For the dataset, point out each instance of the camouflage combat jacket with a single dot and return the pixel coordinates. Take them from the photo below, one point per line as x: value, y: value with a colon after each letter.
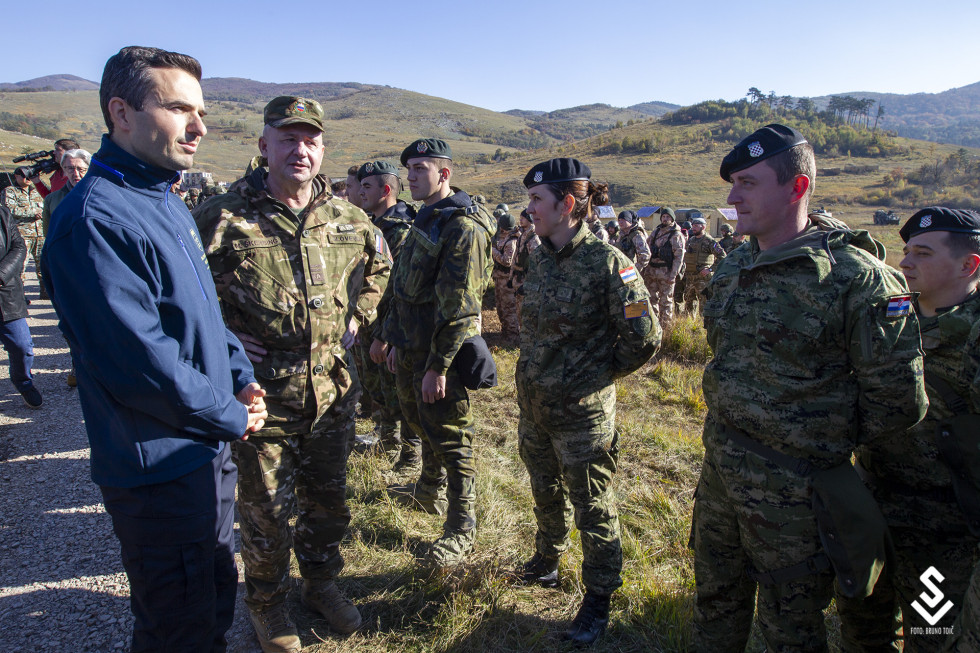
x: 910, y: 464
x: 585, y: 322
x: 595, y: 226
x: 504, y: 252
x: 815, y: 348
x: 294, y: 283
x: 395, y: 225
x: 667, y: 249
x: 702, y: 252
x: 526, y: 243
x: 437, y: 284
x: 634, y: 244
x: 25, y: 204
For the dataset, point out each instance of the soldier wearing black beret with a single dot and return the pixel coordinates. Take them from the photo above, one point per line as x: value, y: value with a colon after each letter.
x: 814, y: 350
x: 926, y: 479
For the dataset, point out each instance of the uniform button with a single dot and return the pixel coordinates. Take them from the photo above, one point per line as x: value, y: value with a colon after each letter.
x: 272, y: 371
x: 316, y: 303
x: 306, y: 233
x: 318, y: 369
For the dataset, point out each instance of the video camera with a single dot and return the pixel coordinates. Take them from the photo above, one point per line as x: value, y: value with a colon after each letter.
x: 42, y: 163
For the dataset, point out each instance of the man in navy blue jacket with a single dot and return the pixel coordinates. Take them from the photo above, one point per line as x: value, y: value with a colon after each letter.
x: 163, y: 384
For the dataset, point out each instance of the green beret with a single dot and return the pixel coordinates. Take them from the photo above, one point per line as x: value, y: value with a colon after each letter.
x: 372, y: 168
x: 939, y: 218
x: 556, y: 171
x: 759, y: 146
x: 427, y: 147
x: 290, y: 110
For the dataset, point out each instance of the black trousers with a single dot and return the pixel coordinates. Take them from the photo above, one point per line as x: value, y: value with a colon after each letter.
x: 178, y: 550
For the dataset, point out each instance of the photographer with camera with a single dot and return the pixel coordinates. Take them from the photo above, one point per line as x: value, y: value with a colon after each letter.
x: 49, y: 161
x: 25, y: 205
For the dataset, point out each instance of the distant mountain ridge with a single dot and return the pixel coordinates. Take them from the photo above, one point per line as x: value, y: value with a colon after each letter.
x: 52, y: 83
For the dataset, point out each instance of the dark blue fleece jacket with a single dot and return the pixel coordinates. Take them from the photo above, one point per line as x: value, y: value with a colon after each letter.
x: 157, y: 369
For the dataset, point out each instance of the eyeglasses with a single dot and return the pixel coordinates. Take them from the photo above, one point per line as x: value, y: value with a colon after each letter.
x: 82, y: 170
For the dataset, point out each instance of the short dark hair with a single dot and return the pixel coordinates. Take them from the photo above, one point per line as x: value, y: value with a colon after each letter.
x: 797, y: 160
x: 962, y: 244
x: 67, y: 144
x: 127, y: 75
x: 338, y: 186
x: 392, y: 181
x: 352, y: 171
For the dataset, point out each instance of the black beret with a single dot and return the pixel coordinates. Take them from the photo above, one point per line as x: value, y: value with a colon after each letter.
x: 372, y: 168
x: 666, y: 210
x: 939, y: 218
x: 556, y: 171
x: 758, y: 146
x: 431, y: 147
x: 627, y: 215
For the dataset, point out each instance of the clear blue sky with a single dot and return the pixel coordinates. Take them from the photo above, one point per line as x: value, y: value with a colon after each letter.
x: 532, y: 54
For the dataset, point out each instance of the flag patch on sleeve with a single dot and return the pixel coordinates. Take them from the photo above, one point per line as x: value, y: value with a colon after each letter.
x: 899, y: 306
x: 628, y: 275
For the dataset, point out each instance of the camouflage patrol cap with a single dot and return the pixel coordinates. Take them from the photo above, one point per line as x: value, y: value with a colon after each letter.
x: 290, y: 110
x: 940, y: 218
x: 699, y: 220
x: 194, y: 191
x: 372, y: 168
x: 556, y: 171
x: 759, y: 146
x: 434, y: 148
x: 726, y: 228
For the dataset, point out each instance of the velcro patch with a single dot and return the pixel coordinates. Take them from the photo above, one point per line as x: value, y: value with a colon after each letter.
x: 637, y: 309
x: 899, y: 306
x: 628, y: 275
x: 254, y: 243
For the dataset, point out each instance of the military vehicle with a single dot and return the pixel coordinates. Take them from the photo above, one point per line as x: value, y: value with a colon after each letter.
x: 885, y: 217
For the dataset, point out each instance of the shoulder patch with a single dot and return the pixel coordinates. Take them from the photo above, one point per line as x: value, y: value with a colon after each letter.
x: 899, y: 306
x: 628, y: 274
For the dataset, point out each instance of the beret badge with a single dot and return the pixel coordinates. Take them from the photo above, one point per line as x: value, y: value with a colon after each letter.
x: 755, y: 149
x: 538, y: 176
x: 926, y: 221
x: 423, y: 147
x: 368, y: 167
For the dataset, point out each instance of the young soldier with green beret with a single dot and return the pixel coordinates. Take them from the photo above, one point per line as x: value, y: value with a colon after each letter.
x: 815, y: 352
x: 586, y: 322
x: 433, y: 306
x: 933, y: 515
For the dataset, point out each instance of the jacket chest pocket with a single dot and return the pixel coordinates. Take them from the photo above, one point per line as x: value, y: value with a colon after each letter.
x: 792, y: 340
x: 423, y: 266
x: 264, y: 279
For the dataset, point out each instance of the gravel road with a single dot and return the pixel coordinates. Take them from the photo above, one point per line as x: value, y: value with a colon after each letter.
x: 62, y: 585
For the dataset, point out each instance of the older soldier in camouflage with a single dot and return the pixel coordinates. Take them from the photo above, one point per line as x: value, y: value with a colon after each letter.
x: 296, y: 272
x: 504, y: 254
x: 666, y: 258
x: 26, y: 206
x: 588, y: 323
x: 436, y: 292
x: 378, y: 187
x: 930, y: 519
x: 815, y: 352
x: 526, y: 244
x: 703, y: 253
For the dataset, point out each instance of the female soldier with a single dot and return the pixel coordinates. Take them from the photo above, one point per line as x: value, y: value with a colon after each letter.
x: 586, y: 321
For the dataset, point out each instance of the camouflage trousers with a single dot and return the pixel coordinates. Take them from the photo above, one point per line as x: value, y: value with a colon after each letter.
x: 34, y: 239
x: 873, y: 624
x: 660, y: 284
x: 560, y: 474
x: 446, y: 427
x: 694, y: 291
x: 305, y: 474
x: 380, y: 384
x: 966, y: 631
x: 752, y: 517
x: 506, y: 302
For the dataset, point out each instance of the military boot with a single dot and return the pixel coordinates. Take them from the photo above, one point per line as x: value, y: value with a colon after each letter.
x: 591, y: 621
x: 275, y: 632
x: 409, y: 463
x: 430, y: 499
x: 325, y: 598
x: 539, y: 570
x: 452, y: 548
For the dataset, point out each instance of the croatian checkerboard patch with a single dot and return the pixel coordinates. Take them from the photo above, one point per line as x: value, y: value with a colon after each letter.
x: 899, y: 306
x: 755, y: 149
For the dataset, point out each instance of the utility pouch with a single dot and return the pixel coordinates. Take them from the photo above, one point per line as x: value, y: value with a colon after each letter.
x: 852, y: 529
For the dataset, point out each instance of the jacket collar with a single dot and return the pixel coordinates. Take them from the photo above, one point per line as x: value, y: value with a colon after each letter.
x: 114, y: 163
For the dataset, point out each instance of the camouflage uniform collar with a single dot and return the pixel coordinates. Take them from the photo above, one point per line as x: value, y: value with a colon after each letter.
x: 566, y: 251
x: 253, y: 187
x: 973, y: 297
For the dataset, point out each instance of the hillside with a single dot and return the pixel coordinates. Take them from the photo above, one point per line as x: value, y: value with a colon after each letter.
x: 52, y: 83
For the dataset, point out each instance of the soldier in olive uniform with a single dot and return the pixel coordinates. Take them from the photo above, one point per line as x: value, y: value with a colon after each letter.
x: 815, y: 352
x: 702, y: 255
x: 193, y: 195
x: 435, y: 296
x: 612, y: 228
x: 296, y: 272
x: 504, y: 254
x: 912, y: 475
x: 26, y: 207
x: 526, y: 244
x: 588, y: 323
x: 633, y: 240
x: 378, y: 186
x: 666, y: 257
x: 727, y: 241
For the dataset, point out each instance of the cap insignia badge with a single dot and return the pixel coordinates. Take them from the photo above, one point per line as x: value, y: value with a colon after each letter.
x: 538, y: 176
x: 423, y: 147
x: 369, y: 167
x: 755, y: 149
x: 926, y: 221
x: 300, y: 107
